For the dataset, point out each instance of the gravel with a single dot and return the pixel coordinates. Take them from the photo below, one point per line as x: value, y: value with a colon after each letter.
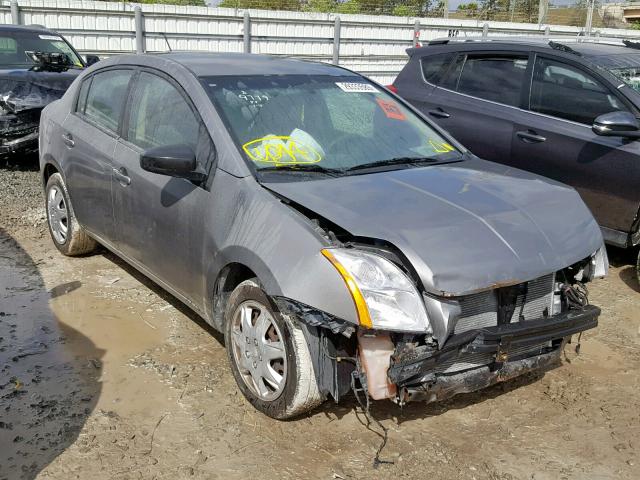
x: 22, y: 197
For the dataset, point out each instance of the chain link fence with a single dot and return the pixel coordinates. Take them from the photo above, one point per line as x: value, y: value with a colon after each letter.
x: 556, y: 12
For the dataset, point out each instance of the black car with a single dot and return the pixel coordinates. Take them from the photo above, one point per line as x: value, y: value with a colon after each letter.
x: 37, y: 66
x: 565, y: 109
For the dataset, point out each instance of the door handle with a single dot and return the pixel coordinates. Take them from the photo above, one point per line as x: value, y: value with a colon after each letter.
x: 530, y: 137
x: 121, y: 175
x: 439, y: 113
x: 67, y: 138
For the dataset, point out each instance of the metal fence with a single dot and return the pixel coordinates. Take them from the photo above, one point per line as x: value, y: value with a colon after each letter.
x: 372, y: 45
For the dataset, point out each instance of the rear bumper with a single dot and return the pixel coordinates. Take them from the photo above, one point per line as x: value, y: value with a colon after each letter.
x: 414, y: 373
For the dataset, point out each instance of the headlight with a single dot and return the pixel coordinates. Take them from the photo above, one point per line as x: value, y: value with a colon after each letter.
x: 384, y: 296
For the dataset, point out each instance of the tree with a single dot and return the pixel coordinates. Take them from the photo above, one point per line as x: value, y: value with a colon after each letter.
x: 470, y: 7
x: 196, y: 3
x: 263, y: 4
x: 324, y: 6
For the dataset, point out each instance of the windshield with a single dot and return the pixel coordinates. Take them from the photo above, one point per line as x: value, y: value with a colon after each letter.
x: 15, y: 45
x: 625, y: 67
x: 322, y: 123
x: 629, y: 75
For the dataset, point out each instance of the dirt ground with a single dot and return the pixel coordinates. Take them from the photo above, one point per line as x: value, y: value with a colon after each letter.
x: 103, y: 375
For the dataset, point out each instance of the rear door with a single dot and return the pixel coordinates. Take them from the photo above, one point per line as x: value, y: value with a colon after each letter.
x: 555, y: 140
x: 160, y: 219
x: 479, y: 99
x: 90, y: 136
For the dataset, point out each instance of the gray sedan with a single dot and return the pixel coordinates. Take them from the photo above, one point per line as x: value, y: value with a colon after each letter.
x: 338, y: 238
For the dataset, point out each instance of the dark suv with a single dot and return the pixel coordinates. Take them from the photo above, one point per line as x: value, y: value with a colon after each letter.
x: 37, y: 66
x: 565, y: 109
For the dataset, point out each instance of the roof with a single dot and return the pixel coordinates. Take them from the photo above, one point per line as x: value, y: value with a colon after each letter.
x: 587, y: 47
x: 599, y: 51
x: 208, y: 64
x: 25, y: 28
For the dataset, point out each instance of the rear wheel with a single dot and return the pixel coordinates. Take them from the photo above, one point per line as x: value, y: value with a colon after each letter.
x: 67, y: 235
x: 269, y: 355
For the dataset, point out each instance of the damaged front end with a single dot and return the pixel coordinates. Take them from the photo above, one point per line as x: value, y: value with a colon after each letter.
x: 23, y: 95
x: 18, y: 131
x: 470, y: 342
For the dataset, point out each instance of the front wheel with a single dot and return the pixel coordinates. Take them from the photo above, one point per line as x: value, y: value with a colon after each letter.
x: 67, y: 234
x: 269, y: 356
x: 638, y: 267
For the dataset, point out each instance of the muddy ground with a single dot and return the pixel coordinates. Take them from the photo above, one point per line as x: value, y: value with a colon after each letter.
x: 103, y: 375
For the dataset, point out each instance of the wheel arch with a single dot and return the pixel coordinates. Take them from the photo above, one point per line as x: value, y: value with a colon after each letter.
x: 49, y: 166
x: 240, y: 265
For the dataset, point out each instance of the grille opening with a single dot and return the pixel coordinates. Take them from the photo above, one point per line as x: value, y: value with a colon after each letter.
x: 480, y: 310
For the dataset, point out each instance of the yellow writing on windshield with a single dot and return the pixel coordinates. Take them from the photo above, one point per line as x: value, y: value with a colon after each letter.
x: 281, y: 150
x: 441, y: 147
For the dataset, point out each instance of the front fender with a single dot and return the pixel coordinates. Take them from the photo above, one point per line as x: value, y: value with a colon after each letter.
x: 280, y: 245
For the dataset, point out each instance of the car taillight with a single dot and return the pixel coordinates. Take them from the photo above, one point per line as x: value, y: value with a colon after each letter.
x: 393, y: 88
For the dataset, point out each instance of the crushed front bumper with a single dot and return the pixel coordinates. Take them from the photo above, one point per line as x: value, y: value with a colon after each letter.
x: 19, y: 132
x: 25, y: 144
x: 414, y: 373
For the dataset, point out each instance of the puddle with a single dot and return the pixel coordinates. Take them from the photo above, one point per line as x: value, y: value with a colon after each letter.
x: 49, y: 371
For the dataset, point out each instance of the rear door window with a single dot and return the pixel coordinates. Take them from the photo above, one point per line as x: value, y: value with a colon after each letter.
x: 566, y: 92
x: 106, y: 96
x: 498, y: 78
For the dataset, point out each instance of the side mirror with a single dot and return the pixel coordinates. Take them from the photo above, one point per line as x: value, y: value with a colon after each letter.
x: 91, y: 59
x: 616, y: 124
x: 172, y: 160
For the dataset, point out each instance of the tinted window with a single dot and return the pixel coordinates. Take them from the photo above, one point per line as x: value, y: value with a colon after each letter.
x: 106, y: 97
x: 435, y: 66
x: 450, y: 78
x: 160, y: 115
x: 82, y: 96
x: 495, y: 78
x: 566, y: 92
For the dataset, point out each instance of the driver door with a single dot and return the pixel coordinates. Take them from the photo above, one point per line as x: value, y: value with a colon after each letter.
x: 159, y: 219
x: 555, y: 140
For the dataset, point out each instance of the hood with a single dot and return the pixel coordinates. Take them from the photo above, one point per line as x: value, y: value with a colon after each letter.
x: 464, y: 226
x: 25, y: 89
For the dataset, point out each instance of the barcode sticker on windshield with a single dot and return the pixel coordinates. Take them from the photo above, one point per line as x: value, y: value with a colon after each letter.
x: 352, y: 87
x: 49, y: 37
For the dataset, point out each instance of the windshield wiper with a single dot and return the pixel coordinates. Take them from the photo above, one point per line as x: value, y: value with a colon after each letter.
x: 303, y: 168
x: 394, y: 161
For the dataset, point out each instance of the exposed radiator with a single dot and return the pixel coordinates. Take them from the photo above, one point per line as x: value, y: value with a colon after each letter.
x: 481, y: 309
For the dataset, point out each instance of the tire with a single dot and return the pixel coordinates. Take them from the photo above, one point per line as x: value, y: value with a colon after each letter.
x: 67, y: 234
x: 297, y: 392
x: 638, y: 267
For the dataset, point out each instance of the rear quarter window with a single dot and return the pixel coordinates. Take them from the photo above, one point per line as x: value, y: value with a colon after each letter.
x: 435, y: 66
x: 82, y: 95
